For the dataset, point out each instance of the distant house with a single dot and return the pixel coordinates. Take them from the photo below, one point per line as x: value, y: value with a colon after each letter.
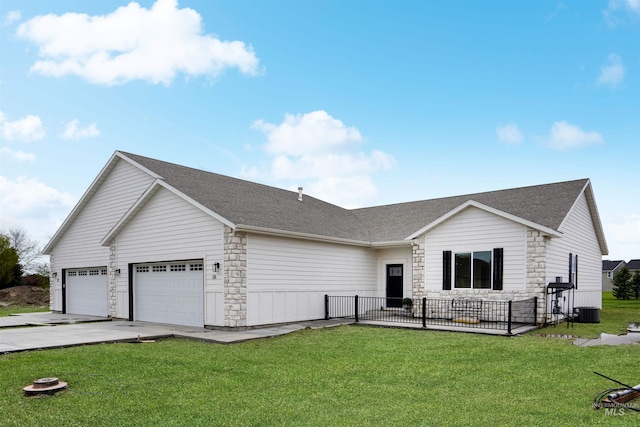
x: 156, y: 241
x: 633, y: 265
x: 609, y: 271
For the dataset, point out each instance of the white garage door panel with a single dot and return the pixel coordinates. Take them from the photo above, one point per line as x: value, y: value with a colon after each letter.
x: 87, y: 291
x: 169, y: 293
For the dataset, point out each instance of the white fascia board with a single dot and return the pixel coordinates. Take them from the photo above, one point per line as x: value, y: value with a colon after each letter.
x: 138, y: 165
x: 392, y: 244
x: 145, y: 197
x: 473, y: 203
x: 595, y: 216
x: 108, y: 167
x: 298, y: 235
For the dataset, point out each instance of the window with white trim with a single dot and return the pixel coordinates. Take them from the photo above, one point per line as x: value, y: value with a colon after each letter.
x: 142, y: 269
x: 159, y: 268
x: 178, y: 267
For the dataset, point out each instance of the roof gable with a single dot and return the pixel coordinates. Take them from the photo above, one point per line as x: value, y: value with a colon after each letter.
x: 545, y: 206
x: 608, y: 265
x: 246, y: 203
x: 633, y: 264
x: 473, y: 203
x: 256, y: 207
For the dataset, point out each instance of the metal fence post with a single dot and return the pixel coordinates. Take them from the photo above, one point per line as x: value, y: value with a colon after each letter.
x: 326, y: 307
x: 424, y: 312
x: 535, y: 310
x: 509, y: 321
x: 356, y: 300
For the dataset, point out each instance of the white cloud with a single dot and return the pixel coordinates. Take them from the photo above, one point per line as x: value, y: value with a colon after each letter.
x: 612, y: 72
x: 314, y: 132
x: 11, y: 17
x: 133, y: 43
x: 622, y: 12
x: 30, y: 204
x: 509, y: 134
x: 623, y: 237
x: 564, y: 136
x: 322, y: 154
x: 18, y: 155
x: 330, y: 164
x: 349, y: 192
x: 29, y: 128
x: 72, y: 131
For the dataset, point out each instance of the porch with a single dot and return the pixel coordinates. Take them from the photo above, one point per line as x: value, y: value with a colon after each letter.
x: 455, y: 314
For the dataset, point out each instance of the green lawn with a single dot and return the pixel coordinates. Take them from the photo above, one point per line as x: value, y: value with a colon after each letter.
x: 614, y: 319
x: 13, y: 309
x: 349, y: 375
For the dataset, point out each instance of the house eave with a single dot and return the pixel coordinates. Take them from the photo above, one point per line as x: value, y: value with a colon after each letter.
x: 472, y: 203
x: 145, y: 197
x: 392, y: 244
x: 299, y: 235
x: 93, y: 188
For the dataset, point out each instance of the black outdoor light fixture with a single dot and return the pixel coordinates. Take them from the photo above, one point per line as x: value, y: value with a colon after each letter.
x: 117, y: 272
x: 54, y: 274
x: 216, y: 267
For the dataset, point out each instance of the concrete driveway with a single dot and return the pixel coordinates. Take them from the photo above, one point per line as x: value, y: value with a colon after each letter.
x: 35, y: 331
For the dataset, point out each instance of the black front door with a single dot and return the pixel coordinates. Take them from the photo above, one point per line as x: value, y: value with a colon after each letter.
x: 394, y: 285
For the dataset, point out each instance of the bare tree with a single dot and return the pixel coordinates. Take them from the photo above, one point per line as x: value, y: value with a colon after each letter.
x: 28, y: 250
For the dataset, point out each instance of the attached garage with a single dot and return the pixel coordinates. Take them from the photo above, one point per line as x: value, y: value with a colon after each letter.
x: 87, y: 291
x: 169, y: 292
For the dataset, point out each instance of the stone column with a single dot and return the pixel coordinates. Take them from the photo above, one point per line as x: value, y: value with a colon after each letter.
x: 537, y: 269
x: 418, y: 284
x: 235, y: 278
x: 112, y: 280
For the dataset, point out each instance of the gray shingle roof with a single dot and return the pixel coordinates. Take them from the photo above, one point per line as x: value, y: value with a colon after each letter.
x: 248, y: 203
x: 546, y: 205
x: 633, y: 264
x: 608, y: 265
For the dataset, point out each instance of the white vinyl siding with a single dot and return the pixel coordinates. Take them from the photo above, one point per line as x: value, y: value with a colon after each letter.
x: 396, y: 256
x: 80, y: 244
x: 474, y: 230
x: 288, y: 278
x: 579, y: 238
x: 168, y: 228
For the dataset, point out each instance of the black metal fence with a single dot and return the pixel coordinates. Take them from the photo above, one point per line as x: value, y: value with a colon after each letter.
x: 460, y: 312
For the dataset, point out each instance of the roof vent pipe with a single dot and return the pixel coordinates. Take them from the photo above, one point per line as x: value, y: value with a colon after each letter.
x: 300, y: 194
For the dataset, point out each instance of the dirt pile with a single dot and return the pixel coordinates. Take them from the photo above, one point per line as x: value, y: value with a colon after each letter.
x: 24, y: 295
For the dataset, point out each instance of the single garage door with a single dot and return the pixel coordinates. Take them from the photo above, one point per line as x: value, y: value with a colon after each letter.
x: 87, y: 291
x: 171, y: 292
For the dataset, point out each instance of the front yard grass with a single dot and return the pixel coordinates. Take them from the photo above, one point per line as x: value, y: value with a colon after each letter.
x: 348, y: 375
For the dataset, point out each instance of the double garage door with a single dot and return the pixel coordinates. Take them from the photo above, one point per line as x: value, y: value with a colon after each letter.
x: 171, y: 292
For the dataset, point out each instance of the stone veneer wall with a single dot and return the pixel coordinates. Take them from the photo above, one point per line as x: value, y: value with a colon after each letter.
x: 235, y: 278
x: 537, y: 269
x: 418, y: 288
x: 53, y: 283
x: 113, y: 281
x: 534, y: 286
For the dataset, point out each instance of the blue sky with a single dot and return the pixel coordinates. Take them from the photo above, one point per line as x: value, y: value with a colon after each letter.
x: 360, y: 102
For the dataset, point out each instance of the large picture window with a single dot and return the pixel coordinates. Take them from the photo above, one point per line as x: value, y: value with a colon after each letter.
x: 473, y: 270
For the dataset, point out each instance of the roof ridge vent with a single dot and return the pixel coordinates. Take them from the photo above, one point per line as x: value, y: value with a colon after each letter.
x: 299, y: 194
